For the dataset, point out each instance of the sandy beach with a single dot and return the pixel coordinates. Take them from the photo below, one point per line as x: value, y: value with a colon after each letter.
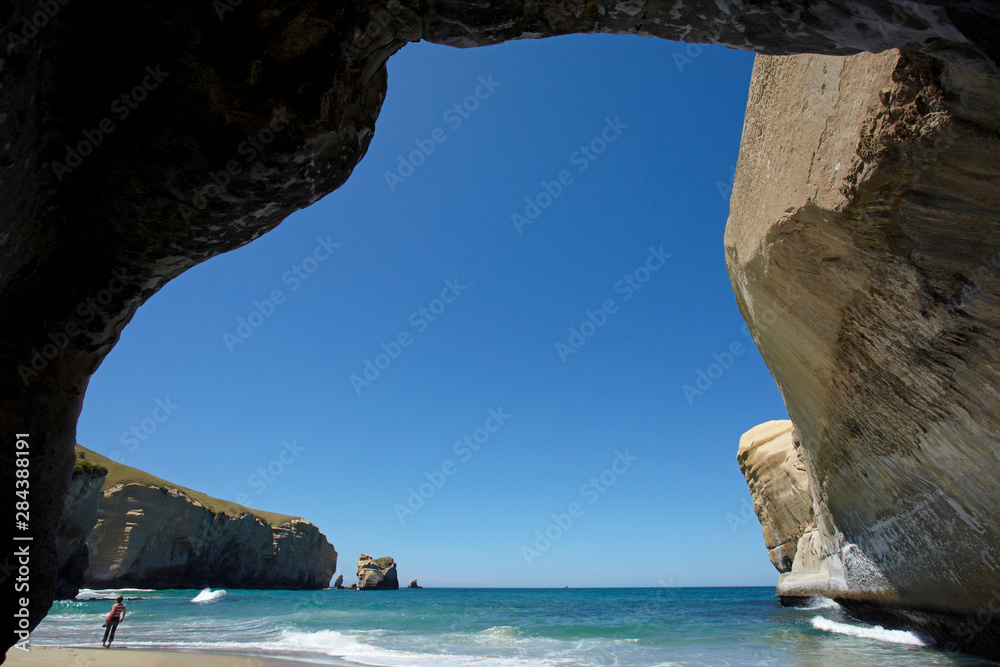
x: 125, y: 657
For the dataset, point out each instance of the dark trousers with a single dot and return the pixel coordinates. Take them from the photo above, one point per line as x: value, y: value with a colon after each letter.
x: 112, y: 626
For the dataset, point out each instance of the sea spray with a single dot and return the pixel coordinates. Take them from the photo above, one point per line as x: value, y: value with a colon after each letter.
x: 820, y: 602
x: 208, y: 595
x: 876, y: 632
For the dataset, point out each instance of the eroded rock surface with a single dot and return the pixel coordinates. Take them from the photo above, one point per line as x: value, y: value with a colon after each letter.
x: 779, y: 484
x: 154, y: 534
x: 78, y: 520
x: 865, y: 220
x: 377, y: 574
x: 148, y: 537
x: 101, y: 208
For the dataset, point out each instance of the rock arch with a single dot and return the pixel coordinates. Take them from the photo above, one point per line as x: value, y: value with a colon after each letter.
x: 103, y: 206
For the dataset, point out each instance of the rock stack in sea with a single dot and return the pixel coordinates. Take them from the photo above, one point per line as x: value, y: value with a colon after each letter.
x: 413, y: 584
x: 377, y: 574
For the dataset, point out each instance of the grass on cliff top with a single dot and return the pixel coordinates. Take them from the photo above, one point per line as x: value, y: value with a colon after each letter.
x: 384, y: 561
x: 85, y: 467
x: 120, y: 473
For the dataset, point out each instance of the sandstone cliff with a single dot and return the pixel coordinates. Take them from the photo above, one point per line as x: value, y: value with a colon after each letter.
x: 779, y: 485
x: 150, y: 533
x: 377, y: 574
x: 78, y: 519
x: 863, y: 247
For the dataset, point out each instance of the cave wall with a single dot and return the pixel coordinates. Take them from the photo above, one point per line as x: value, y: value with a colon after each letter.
x: 107, y: 197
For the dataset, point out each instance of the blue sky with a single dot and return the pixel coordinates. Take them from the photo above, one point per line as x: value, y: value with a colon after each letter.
x: 622, y: 144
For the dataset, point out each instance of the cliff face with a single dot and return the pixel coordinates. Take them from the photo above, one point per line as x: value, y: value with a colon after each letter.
x: 78, y: 519
x: 149, y: 537
x: 866, y: 220
x: 377, y: 574
x: 150, y: 533
x: 779, y: 484
x: 144, y: 206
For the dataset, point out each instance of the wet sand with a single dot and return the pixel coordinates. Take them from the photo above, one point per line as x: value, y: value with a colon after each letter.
x: 126, y: 657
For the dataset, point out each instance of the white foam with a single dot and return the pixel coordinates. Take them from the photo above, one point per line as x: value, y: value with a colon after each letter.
x: 330, y: 642
x: 334, y: 643
x: 876, y: 632
x: 208, y: 595
x: 501, y: 633
x: 97, y: 593
x: 820, y: 602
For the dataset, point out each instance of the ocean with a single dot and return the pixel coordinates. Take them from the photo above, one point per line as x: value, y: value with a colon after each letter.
x: 641, y: 627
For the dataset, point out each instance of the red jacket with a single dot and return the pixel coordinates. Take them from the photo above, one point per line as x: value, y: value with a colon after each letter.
x: 117, y: 611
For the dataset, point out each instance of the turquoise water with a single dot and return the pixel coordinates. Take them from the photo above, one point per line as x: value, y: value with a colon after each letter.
x: 683, y: 627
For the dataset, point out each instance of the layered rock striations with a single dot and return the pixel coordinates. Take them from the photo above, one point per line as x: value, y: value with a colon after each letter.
x: 100, y: 208
x: 377, y: 574
x: 779, y: 484
x: 150, y: 533
x: 863, y: 246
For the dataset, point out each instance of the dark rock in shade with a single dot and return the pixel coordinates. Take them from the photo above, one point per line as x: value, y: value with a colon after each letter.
x: 137, y: 210
x: 377, y: 574
x: 413, y: 584
x: 78, y: 520
x: 339, y: 582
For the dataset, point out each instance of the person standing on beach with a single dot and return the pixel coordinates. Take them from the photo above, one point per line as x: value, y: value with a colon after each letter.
x: 112, y: 620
